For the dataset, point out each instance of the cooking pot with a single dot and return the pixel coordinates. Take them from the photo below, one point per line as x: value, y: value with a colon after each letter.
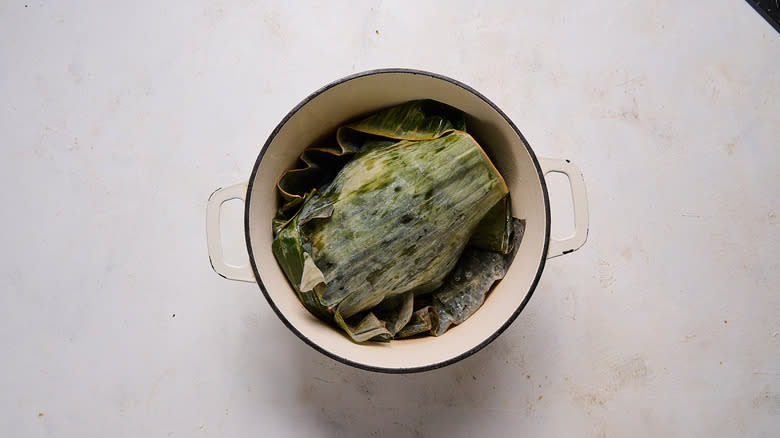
x: 358, y: 95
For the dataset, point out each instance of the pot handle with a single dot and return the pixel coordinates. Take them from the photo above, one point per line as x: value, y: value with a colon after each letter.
x: 214, y: 237
x: 579, y: 201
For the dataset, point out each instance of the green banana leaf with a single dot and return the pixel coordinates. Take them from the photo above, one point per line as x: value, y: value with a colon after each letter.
x: 414, y: 120
x: 289, y: 253
x: 366, y: 328
x: 368, y: 225
x: 408, y: 208
x: 424, y: 320
x: 468, y: 284
x: 494, y: 233
x: 396, y: 311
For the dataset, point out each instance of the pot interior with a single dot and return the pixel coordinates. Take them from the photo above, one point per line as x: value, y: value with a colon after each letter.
x: 320, y: 114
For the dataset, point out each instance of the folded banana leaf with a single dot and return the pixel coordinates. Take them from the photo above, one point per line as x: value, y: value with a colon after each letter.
x: 468, y: 284
x: 414, y: 120
x: 424, y: 320
x: 382, y: 218
x: 396, y: 312
x: 495, y: 231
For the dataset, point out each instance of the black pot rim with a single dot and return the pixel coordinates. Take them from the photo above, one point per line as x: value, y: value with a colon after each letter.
x: 345, y: 360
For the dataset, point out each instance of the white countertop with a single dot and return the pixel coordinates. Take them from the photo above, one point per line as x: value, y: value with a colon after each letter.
x: 118, y: 121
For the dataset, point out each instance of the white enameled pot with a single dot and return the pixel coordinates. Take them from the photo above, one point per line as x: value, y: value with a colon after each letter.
x: 348, y: 99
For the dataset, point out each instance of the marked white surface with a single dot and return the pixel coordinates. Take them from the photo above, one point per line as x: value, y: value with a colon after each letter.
x: 118, y: 121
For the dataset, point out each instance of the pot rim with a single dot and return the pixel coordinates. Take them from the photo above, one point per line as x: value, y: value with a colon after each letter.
x: 345, y: 360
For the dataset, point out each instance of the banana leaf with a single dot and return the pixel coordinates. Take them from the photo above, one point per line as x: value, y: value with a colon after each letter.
x: 295, y: 263
x: 468, y: 284
x: 366, y: 328
x: 414, y: 120
x: 396, y: 312
x: 494, y: 233
x: 367, y: 226
x: 424, y: 320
